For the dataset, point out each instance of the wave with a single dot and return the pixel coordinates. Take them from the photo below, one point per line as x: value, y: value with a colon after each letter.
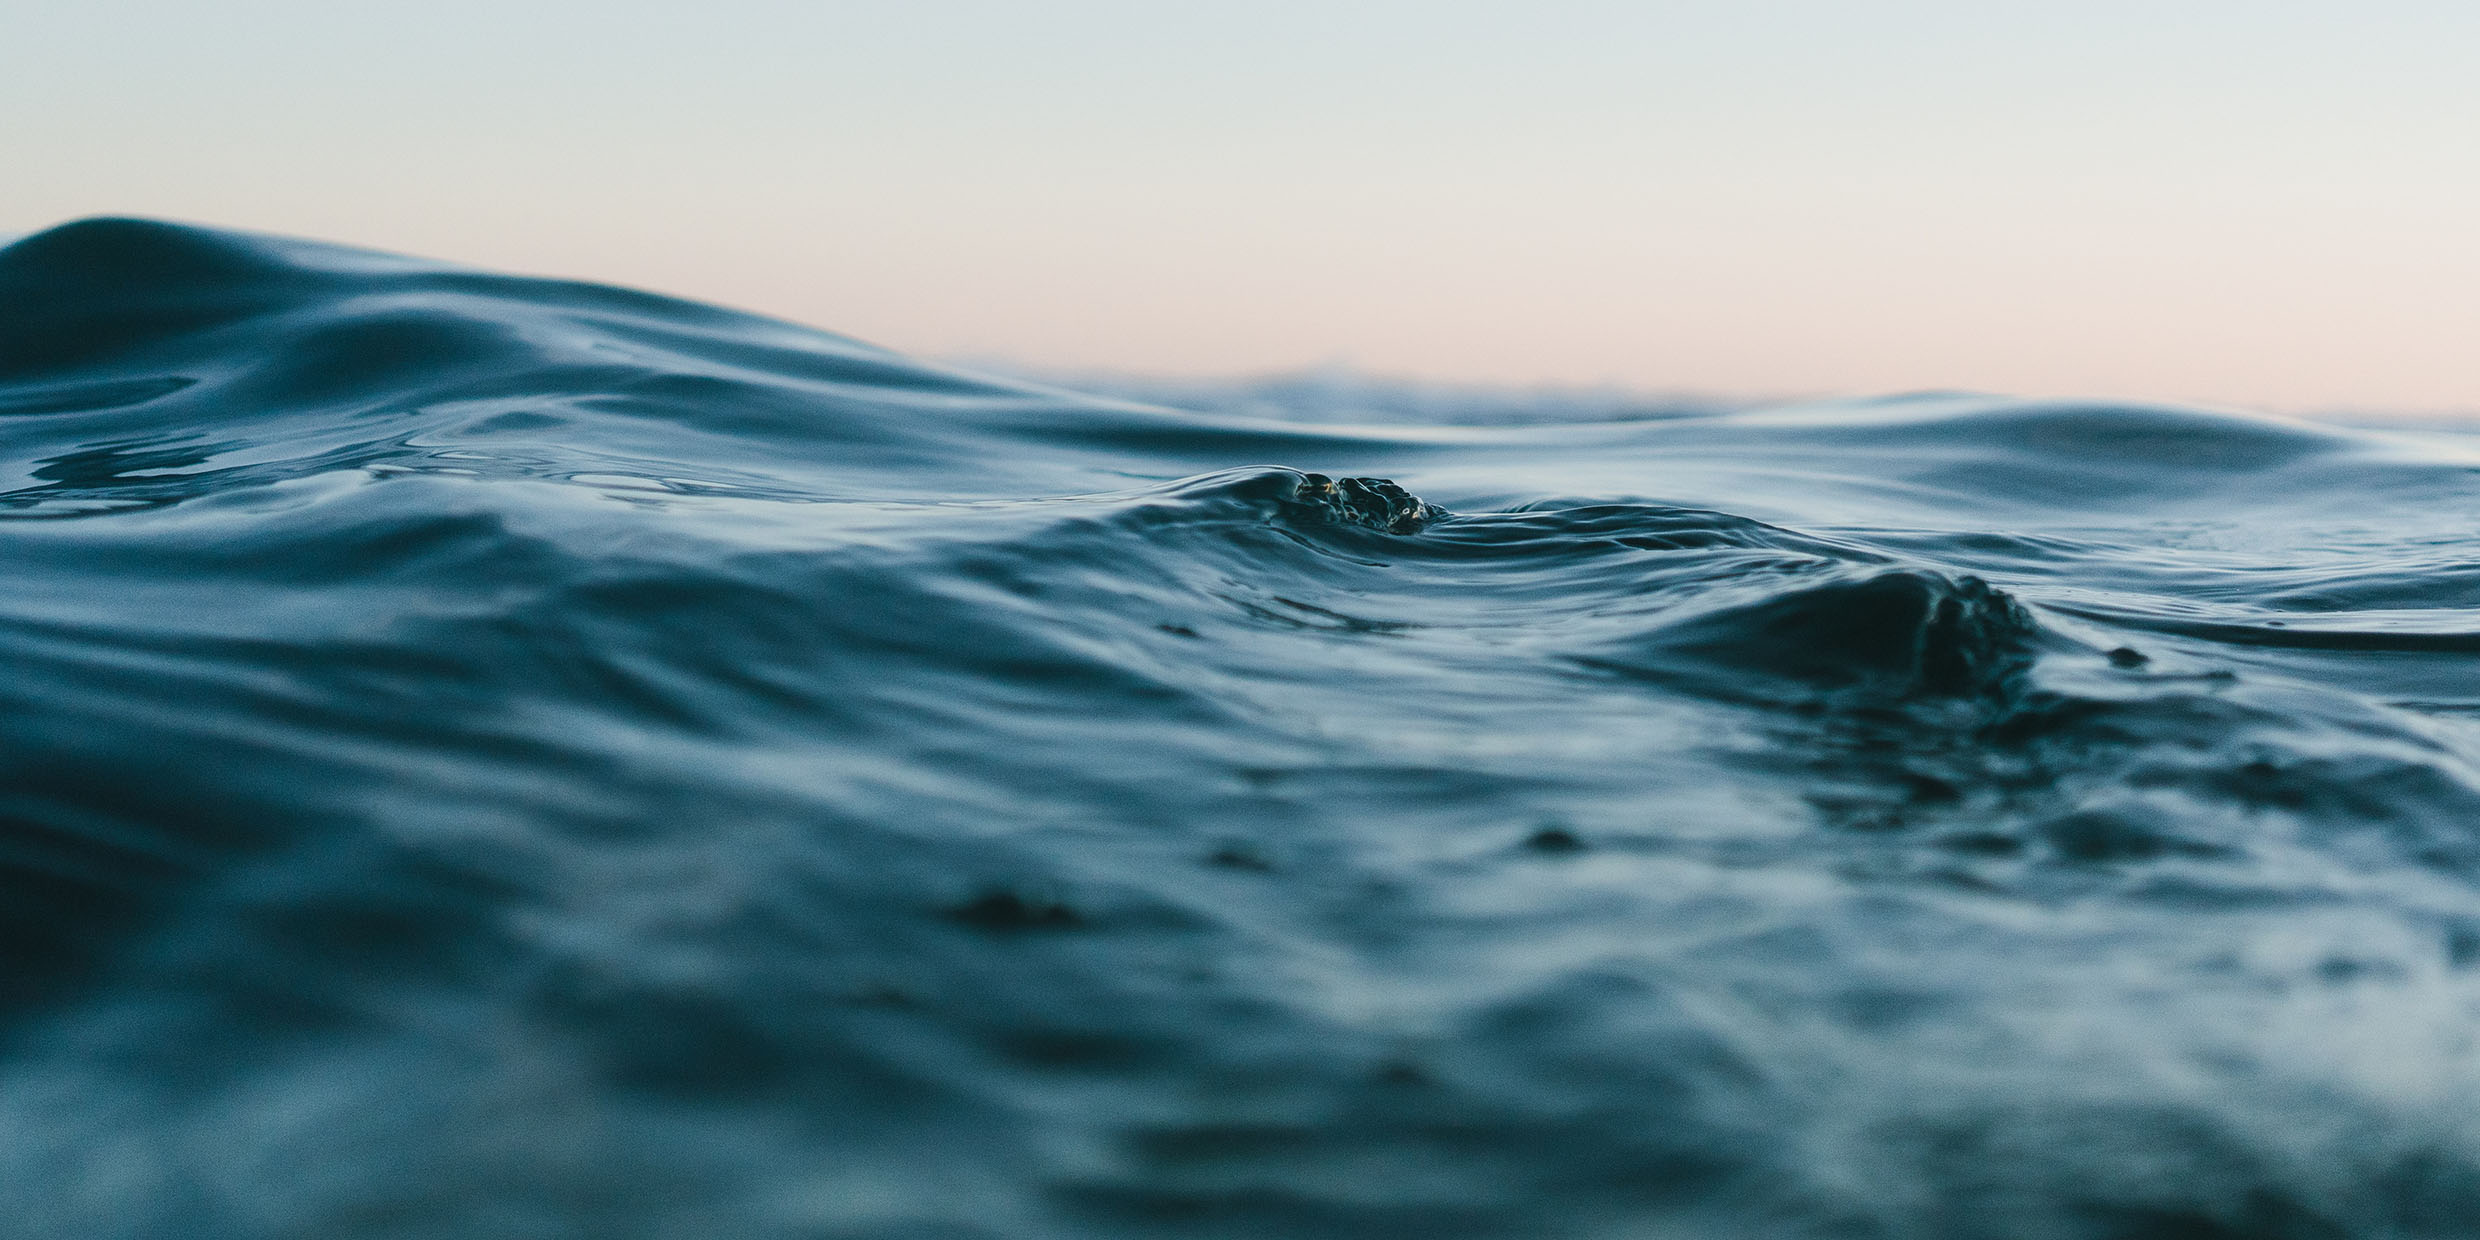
x: 511, y: 756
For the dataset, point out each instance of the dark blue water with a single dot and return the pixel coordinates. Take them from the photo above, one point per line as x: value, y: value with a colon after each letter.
x: 497, y: 757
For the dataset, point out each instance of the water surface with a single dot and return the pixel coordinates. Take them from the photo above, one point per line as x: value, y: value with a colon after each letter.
x: 499, y: 757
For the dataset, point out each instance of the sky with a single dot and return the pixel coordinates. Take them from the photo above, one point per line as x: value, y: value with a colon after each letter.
x: 2266, y: 204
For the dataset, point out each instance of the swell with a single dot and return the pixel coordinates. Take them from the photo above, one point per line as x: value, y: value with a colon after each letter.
x: 566, y: 762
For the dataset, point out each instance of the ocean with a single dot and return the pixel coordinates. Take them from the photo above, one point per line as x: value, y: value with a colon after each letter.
x: 490, y: 756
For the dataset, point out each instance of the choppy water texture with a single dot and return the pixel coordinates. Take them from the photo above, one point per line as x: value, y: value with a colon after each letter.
x: 499, y: 757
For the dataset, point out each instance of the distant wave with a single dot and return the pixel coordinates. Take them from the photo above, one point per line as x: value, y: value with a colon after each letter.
x: 510, y: 757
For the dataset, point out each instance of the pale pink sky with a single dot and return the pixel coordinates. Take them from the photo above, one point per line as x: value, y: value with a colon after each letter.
x: 2260, y: 204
